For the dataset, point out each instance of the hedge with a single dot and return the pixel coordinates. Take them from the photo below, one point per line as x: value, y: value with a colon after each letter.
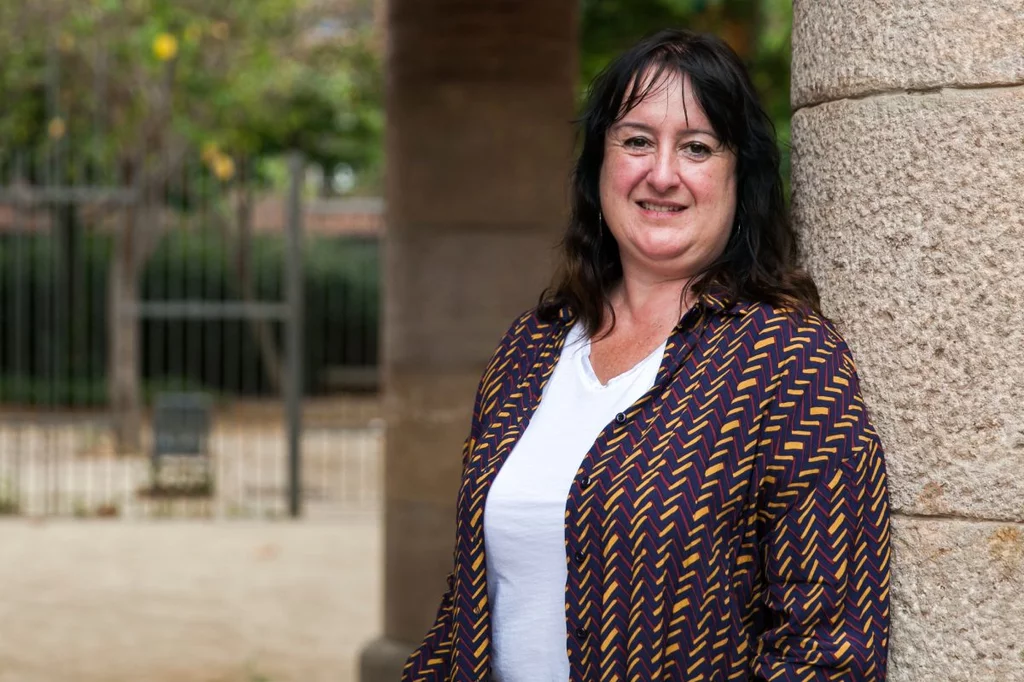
x: 53, y: 339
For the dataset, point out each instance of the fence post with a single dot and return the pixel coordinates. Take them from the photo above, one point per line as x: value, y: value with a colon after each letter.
x: 293, y: 332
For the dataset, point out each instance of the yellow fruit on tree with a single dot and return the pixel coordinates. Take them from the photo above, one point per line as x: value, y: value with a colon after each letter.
x: 223, y: 167
x: 165, y: 47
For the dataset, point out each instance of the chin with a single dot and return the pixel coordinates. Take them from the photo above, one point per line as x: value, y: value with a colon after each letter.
x: 662, y: 249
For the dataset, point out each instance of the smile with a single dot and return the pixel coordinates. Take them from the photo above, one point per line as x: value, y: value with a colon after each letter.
x: 660, y: 208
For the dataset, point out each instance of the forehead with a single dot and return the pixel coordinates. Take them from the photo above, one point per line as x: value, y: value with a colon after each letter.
x: 667, y: 98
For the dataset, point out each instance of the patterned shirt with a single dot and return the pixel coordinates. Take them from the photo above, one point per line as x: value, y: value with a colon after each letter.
x: 732, y: 524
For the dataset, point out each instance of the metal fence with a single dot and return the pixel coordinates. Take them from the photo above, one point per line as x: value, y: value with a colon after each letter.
x: 128, y: 304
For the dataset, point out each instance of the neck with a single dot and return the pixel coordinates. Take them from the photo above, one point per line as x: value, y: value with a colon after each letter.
x: 647, y: 299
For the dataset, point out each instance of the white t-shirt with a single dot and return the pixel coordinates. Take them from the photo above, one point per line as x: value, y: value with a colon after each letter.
x: 524, y: 516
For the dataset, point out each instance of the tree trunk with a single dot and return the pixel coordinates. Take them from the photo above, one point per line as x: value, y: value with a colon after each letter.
x: 134, y: 243
x: 261, y: 329
x: 123, y: 340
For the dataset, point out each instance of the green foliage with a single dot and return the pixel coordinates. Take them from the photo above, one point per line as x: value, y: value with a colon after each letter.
x: 136, y: 79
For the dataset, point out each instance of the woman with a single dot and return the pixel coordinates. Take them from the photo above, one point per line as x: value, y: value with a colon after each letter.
x: 670, y: 474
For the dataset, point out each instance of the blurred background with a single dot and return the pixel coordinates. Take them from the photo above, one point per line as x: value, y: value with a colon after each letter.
x: 192, y: 399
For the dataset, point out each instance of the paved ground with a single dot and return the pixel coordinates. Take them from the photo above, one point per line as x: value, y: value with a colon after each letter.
x: 187, y: 601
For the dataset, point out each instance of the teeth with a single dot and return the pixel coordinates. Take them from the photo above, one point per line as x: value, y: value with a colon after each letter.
x: 656, y: 207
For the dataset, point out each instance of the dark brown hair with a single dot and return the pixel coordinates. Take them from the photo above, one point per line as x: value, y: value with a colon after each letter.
x: 759, y: 262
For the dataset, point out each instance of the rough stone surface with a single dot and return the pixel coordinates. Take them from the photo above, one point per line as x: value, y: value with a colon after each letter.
x: 911, y: 210
x: 419, y: 543
x: 427, y: 410
x: 856, y: 47
x: 479, y: 100
x: 383, y: 660
x: 453, y: 293
x: 957, y: 602
x: 479, y: 153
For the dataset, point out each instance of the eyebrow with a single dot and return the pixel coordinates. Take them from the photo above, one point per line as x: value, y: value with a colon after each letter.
x: 650, y: 129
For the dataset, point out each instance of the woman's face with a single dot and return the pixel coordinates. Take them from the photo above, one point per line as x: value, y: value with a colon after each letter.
x: 668, y: 185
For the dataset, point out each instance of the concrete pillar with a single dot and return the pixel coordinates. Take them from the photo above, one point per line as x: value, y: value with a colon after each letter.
x: 479, y: 102
x: 908, y: 177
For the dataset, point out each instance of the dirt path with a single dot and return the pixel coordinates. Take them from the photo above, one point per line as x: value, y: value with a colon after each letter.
x: 117, y: 601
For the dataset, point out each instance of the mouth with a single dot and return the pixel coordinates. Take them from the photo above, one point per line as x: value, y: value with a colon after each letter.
x: 659, y: 207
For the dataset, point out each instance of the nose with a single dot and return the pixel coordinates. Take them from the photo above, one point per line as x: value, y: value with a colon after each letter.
x: 663, y: 174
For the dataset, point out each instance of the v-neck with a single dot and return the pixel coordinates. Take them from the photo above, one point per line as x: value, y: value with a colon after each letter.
x: 589, y: 376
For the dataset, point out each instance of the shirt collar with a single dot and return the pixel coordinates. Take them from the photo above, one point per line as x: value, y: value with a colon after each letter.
x: 566, y: 315
x: 716, y: 300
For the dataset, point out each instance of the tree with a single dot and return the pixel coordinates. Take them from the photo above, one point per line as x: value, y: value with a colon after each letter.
x: 132, y: 89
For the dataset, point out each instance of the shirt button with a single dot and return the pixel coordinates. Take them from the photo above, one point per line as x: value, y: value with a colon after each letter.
x: 579, y: 556
x: 581, y: 633
x: 620, y: 418
x: 585, y: 482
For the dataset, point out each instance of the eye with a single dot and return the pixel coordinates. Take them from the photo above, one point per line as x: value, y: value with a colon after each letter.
x: 637, y: 143
x: 697, y: 150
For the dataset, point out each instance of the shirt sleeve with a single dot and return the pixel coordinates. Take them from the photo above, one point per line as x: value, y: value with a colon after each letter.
x: 431, y: 661
x: 823, y: 522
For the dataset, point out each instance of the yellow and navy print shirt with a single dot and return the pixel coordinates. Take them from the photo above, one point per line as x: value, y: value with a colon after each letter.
x: 733, y: 524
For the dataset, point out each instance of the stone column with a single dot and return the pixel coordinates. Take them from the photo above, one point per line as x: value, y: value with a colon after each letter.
x: 479, y: 146
x: 908, y: 177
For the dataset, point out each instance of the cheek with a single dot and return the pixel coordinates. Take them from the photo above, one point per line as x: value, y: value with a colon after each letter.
x: 717, y: 193
x: 710, y: 184
x: 619, y: 175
